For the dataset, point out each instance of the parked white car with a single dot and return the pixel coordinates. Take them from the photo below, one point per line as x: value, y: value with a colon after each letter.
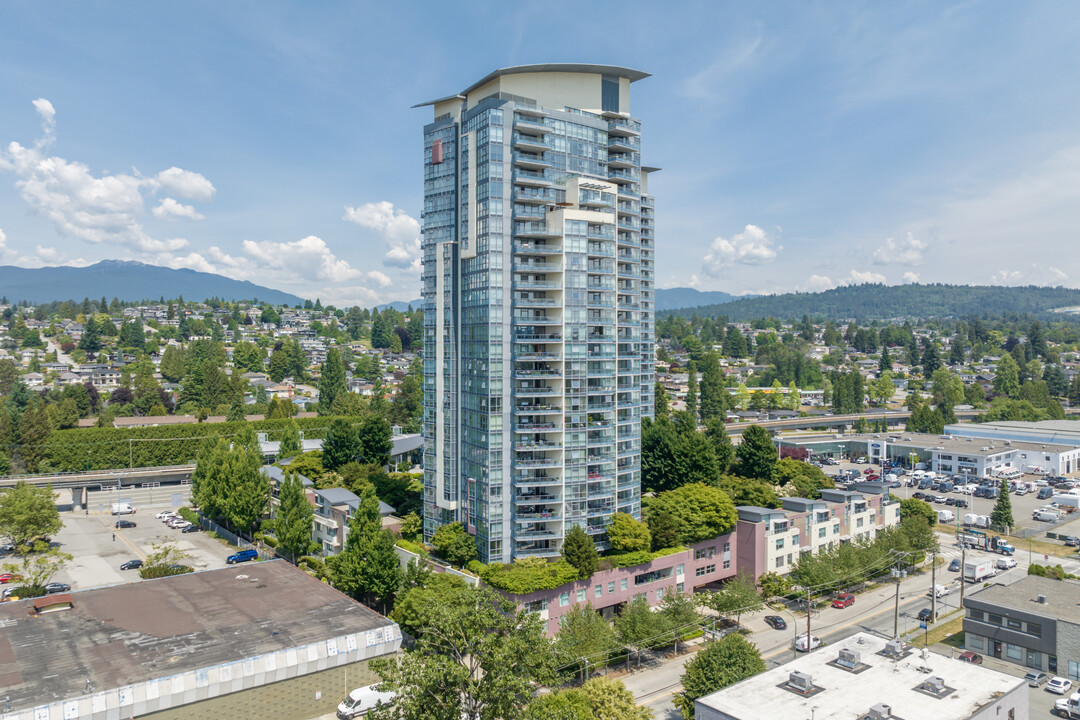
x: 1059, y: 685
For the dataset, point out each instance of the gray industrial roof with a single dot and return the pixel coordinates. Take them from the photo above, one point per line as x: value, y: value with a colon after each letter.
x: 124, y: 634
x: 1061, y: 597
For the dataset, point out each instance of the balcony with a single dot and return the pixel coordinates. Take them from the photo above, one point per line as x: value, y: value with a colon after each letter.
x: 623, y: 143
x: 545, y: 533
x: 538, y: 374
x: 538, y: 516
x: 530, y: 126
x: 537, y: 284
x: 538, y: 409
x: 536, y: 552
x: 624, y: 127
x: 536, y: 480
x: 530, y: 143
x: 623, y: 176
x: 535, y: 427
x: 527, y: 336
x: 525, y: 463
x: 535, y: 230
x: 535, y: 391
x: 531, y: 161
x: 531, y: 179
x: 623, y: 160
x: 524, y: 446
x: 526, y: 355
x: 534, y: 196
x: 535, y: 302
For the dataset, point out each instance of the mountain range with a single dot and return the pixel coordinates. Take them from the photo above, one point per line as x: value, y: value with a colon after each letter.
x: 129, y: 281
x: 883, y: 302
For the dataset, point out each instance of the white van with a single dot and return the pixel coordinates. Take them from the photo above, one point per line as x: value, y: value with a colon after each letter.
x: 123, y: 509
x: 1009, y: 473
x: 361, y: 700
x: 917, y: 475
x: 940, y: 590
x: 945, y: 516
x: 1045, y: 516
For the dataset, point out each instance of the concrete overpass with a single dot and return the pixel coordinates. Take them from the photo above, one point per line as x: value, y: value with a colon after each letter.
x: 891, y: 418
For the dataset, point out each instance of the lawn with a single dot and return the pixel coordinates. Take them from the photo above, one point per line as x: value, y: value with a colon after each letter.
x: 940, y: 632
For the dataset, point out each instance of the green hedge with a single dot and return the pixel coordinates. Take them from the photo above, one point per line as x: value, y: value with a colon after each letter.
x: 519, y: 578
x: 639, y: 557
x: 190, y: 515
x: 157, y: 571
x: 412, y: 547
x: 109, y: 448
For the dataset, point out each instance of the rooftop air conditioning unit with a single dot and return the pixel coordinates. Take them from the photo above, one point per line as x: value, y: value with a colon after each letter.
x: 934, y: 684
x: 848, y: 658
x: 261, y: 437
x: 1041, y: 599
x: 1008, y: 442
x: 894, y: 647
x: 800, y: 681
x: 881, y: 711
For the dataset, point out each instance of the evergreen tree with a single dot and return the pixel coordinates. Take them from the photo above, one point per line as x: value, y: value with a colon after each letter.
x: 341, y: 445
x: 331, y: 381
x: 885, y: 363
x: 375, y: 440
x: 236, y: 410
x: 721, y: 443
x: 755, y: 456
x: 1002, y: 515
x: 715, y: 398
x: 292, y: 524
x: 931, y: 360
x: 661, y: 404
x: 579, y: 550
x: 290, y: 441
x: 956, y: 350
x: 90, y: 342
x: 691, y: 388
x: 35, y: 429
x: 248, y: 490
x: 172, y: 366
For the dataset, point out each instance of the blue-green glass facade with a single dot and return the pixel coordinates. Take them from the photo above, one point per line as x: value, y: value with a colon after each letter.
x: 538, y: 317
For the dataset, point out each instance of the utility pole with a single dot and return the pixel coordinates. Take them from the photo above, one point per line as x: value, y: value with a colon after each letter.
x: 963, y: 571
x: 896, y: 608
x: 933, y: 587
x: 809, y: 606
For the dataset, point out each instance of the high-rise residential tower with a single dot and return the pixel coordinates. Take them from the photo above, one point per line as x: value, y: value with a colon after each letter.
x: 538, y: 307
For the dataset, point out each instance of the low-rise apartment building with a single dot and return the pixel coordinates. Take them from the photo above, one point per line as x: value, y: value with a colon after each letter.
x: 1034, y: 623
x: 771, y: 540
x: 608, y: 590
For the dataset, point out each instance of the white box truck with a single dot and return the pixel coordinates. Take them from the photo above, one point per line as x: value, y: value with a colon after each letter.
x: 978, y: 570
x: 123, y: 509
x: 970, y: 519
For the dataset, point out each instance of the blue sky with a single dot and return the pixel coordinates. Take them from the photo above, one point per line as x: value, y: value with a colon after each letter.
x: 803, y: 145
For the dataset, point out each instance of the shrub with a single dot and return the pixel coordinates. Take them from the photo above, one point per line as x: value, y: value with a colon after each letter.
x: 157, y: 571
x: 528, y: 576
x: 412, y: 547
x: 190, y: 515
x: 29, y: 591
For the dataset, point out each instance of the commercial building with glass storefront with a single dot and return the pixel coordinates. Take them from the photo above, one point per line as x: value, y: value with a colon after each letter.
x: 538, y: 266
x: 1034, y: 622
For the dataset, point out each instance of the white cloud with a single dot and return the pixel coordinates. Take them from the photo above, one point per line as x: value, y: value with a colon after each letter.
x: 911, y: 277
x: 308, y: 257
x: 1035, y: 274
x: 105, y: 209
x: 6, y: 253
x: 855, y: 277
x: 907, y: 251
x: 381, y: 279
x: 750, y: 247
x: 399, y: 230
x: 48, y: 120
x: 714, y: 80
x: 818, y: 283
x: 185, y: 183
x: 170, y: 209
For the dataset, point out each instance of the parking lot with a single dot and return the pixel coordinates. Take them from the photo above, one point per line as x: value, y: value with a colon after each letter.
x: 1023, y: 505
x: 99, y: 549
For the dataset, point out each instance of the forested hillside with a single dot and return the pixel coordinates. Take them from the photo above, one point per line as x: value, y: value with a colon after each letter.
x: 878, y: 302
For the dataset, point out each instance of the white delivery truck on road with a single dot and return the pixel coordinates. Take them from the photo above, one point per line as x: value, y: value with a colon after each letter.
x: 123, y: 509
x: 978, y: 570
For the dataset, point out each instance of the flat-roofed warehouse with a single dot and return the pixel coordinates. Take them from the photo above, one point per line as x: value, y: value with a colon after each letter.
x: 261, y: 640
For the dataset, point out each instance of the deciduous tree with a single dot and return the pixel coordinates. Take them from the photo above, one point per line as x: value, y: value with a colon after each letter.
x: 721, y: 663
x: 28, y: 513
